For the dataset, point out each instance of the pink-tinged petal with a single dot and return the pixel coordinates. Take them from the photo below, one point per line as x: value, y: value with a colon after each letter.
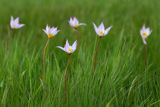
x: 55, y: 33
x: 52, y: 29
x: 17, y: 20
x: 66, y: 45
x: 70, y: 21
x: 101, y: 27
x: 74, y: 45
x: 76, y: 22
x: 12, y: 19
x: 141, y: 32
x: 11, y: 24
x: 47, y: 29
x: 20, y: 25
x: 95, y: 27
x: 107, y: 30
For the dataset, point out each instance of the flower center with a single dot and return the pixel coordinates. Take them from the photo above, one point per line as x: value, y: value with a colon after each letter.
x: 76, y: 26
x: 145, y: 34
x: 101, y: 33
x: 50, y: 36
x: 70, y: 49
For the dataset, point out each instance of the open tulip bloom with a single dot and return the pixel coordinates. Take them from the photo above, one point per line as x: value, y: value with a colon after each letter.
x: 69, y: 48
x: 74, y: 23
x: 101, y: 31
x: 51, y: 31
x: 14, y: 23
x: 145, y: 32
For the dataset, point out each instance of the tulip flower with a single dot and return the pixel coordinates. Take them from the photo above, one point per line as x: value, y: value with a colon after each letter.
x: 14, y: 23
x: 145, y: 32
x: 51, y: 31
x: 74, y: 23
x: 101, y: 31
x: 69, y: 48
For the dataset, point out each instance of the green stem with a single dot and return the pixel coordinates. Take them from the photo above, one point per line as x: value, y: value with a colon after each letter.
x: 44, y: 57
x: 78, y: 38
x: 145, y: 56
x: 66, y: 78
x: 145, y: 62
x: 94, y: 58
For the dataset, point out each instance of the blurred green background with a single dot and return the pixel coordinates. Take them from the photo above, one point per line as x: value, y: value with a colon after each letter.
x: 121, y: 79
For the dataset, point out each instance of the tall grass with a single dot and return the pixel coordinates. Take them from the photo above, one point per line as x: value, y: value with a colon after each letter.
x: 121, y: 79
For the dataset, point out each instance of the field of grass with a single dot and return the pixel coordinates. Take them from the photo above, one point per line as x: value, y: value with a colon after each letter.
x: 121, y: 78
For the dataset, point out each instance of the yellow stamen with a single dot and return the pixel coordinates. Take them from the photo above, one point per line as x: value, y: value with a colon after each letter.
x: 76, y: 26
x: 50, y: 36
x: 101, y: 33
x: 145, y: 34
x: 70, y: 49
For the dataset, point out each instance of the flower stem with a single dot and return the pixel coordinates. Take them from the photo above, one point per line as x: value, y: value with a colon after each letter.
x: 66, y: 78
x: 78, y: 38
x: 145, y: 56
x: 94, y: 58
x: 145, y: 62
x: 44, y: 57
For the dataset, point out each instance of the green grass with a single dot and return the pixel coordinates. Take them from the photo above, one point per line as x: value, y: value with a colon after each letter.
x: 120, y: 59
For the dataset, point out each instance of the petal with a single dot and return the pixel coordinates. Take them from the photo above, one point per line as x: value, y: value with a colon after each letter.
x: 20, y: 25
x: 66, y: 45
x: 74, y: 45
x: 142, y: 30
x: 12, y: 18
x: 149, y: 31
x: 107, y: 30
x: 95, y: 27
x: 61, y: 48
x: 53, y: 29
x: 16, y: 20
x: 55, y: 33
x: 76, y: 22
x: 101, y: 27
x: 12, y: 22
x: 47, y: 29
x: 82, y: 24
x: 70, y: 21
x: 144, y: 41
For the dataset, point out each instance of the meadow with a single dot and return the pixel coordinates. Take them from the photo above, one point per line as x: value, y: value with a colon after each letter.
x: 120, y: 79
